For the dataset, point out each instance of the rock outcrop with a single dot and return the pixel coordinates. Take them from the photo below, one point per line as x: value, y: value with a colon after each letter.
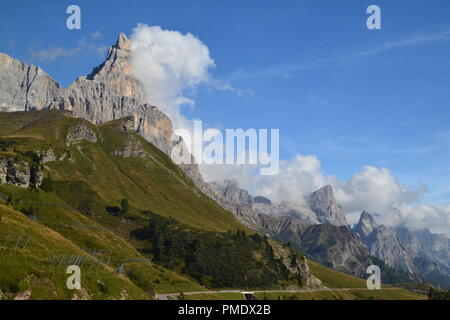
x: 109, y: 93
x: 80, y: 132
x: 321, y: 207
x: 19, y: 172
x: 382, y: 242
x: 298, y: 265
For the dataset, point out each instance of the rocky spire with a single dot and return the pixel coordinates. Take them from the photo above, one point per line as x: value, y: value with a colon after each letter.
x: 366, y: 224
x: 323, y: 203
x: 123, y: 43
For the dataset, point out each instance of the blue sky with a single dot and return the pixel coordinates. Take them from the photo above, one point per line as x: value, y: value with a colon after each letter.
x: 335, y: 89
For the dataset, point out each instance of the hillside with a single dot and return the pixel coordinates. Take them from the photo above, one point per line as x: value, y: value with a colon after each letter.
x: 101, y: 165
x: 103, y: 196
x: 66, y: 176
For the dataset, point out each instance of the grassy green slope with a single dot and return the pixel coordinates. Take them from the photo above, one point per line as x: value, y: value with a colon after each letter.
x: 88, y: 236
x: 152, y: 182
x: 335, y: 279
x: 24, y: 266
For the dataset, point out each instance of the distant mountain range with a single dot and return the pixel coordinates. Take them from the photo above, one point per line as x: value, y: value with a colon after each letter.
x: 320, y: 229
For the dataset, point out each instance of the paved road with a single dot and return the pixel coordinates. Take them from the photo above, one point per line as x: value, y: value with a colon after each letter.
x: 172, y: 296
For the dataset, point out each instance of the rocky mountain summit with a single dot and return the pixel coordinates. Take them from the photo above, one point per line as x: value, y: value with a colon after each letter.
x: 323, y: 203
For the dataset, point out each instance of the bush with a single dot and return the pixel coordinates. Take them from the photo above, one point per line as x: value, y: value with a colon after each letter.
x: 140, y: 281
x: 124, y: 205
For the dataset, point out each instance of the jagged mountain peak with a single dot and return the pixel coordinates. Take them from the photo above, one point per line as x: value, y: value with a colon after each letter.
x: 123, y: 43
x: 366, y: 225
x: 367, y: 220
x: 326, y: 191
x: 117, y: 67
x: 323, y: 203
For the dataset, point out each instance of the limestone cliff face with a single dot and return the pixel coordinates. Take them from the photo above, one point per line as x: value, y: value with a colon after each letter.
x: 321, y: 207
x: 24, y: 87
x: 284, y: 209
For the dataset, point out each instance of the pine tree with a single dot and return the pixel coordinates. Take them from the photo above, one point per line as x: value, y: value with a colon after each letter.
x: 46, y: 184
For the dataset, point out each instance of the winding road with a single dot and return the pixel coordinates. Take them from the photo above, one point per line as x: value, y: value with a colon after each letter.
x: 173, y: 296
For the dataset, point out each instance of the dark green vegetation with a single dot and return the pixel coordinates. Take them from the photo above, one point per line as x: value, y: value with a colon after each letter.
x: 216, y: 260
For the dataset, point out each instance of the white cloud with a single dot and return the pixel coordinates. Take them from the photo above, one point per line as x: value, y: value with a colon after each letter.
x: 295, y: 180
x: 97, y: 34
x: 53, y: 53
x: 245, y: 174
x: 47, y: 55
x: 372, y: 189
x: 376, y: 190
x: 436, y: 218
x: 168, y: 63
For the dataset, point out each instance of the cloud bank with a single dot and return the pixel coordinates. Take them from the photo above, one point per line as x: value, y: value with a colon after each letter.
x: 48, y: 55
x: 375, y: 190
